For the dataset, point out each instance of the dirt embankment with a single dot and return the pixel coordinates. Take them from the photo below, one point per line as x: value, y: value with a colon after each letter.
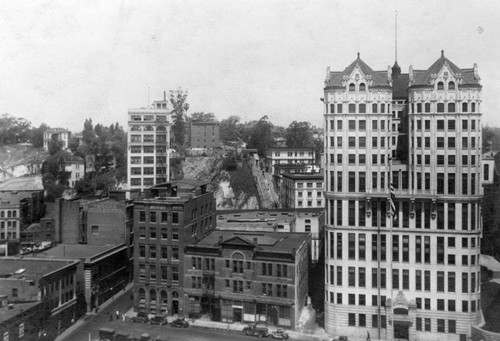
x: 233, y: 189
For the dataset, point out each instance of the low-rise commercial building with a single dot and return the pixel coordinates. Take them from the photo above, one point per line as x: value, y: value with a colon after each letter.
x: 240, y: 276
x: 44, y: 296
x: 289, y: 156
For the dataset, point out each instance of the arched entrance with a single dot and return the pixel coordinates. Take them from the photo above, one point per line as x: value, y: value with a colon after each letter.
x: 164, y: 302
x: 175, y: 303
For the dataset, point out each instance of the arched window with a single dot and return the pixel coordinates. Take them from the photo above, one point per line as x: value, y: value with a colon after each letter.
x: 2, y: 214
x: 175, y: 294
x: 14, y: 214
x: 473, y: 107
x: 382, y: 108
x: 419, y: 107
x: 451, y: 107
x: 451, y: 86
x: 440, y: 107
x: 161, y: 128
x: 440, y: 86
x: 142, y: 295
x: 374, y: 108
x: 362, y: 108
x: 352, y: 108
x: 164, y: 302
x: 427, y: 107
x: 464, y: 107
x: 148, y: 128
x: 352, y: 87
x: 339, y: 108
x: 362, y: 87
x: 135, y: 128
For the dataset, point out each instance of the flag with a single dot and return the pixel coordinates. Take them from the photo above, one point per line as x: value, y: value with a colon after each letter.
x: 392, y: 201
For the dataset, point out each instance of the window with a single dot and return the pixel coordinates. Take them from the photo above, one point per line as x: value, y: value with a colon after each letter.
x: 352, y: 87
x: 352, y: 319
x: 95, y: 230
x: 362, y: 110
x: 362, y: 87
x: 451, y: 107
x: 440, y: 86
x: 352, y: 108
x: 440, y: 325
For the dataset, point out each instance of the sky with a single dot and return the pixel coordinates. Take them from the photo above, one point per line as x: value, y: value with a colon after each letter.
x: 63, y: 61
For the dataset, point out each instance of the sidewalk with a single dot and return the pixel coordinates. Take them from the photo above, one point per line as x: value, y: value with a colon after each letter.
x: 87, y: 316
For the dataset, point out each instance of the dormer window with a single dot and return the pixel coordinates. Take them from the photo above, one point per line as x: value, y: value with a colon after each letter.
x: 362, y: 87
x: 451, y: 86
x: 440, y: 86
x: 352, y: 87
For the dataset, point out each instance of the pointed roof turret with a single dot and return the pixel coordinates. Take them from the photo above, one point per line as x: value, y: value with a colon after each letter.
x: 423, y: 77
x: 378, y: 78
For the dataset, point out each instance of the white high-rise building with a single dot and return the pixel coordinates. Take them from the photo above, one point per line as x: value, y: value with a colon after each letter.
x: 148, y: 145
x: 414, y: 277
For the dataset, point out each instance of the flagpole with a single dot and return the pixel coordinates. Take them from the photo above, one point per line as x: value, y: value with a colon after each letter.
x: 391, y: 226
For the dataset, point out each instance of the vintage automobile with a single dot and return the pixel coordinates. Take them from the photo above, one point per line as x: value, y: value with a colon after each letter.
x: 140, y: 318
x: 255, y: 330
x: 180, y: 323
x: 279, y: 334
x: 106, y: 334
x: 340, y: 338
x: 159, y: 320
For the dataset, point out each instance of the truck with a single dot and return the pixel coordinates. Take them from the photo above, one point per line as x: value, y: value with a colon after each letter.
x: 255, y: 330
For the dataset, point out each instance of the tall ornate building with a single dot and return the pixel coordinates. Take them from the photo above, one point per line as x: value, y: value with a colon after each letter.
x: 148, y: 145
x: 406, y: 265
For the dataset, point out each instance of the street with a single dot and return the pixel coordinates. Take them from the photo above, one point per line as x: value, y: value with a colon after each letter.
x: 125, y: 303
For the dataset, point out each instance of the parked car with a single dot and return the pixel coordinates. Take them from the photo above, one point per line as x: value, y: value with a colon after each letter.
x: 106, y: 334
x: 340, y: 338
x: 180, y: 323
x: 255, y: 330
x: 140, y: 318
x: 159, y: 320
x: 279, y: 334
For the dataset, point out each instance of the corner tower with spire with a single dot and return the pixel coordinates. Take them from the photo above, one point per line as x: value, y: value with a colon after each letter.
x: 411, y: 273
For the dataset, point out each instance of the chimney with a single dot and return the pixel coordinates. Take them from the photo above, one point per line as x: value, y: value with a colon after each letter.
x: 164, y: 96
x: 255, y: 240
x: 410, y: 73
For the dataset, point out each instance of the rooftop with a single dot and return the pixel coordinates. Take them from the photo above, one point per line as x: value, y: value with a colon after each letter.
x: 303, y: 176
x: 7, y: 313
x: 12, y: 198
x: 30, y: 267
x: 57, y: 130
x: 79, y: 251
x: 266, y: 241
x: 22, y: 184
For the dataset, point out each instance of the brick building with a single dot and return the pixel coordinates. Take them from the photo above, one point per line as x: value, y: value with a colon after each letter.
x: 248, y: 277
x: 106, y: 269
x: 168, y: 217
x: 204, y: 134
x: 305, y: 220
x: 54, y: 284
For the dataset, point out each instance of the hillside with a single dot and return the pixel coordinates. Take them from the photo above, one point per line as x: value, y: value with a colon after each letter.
x: 234, y: 189
x: 20, y: 160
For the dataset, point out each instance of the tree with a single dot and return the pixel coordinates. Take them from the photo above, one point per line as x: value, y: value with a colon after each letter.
x: 298, y: 135
x: 230, y: 129
x: 261, y: 136
x: 201, y: 116
x: 14, y: 129
x: 180, y: 107
x: 36, y: 135
x: 55, y: 145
